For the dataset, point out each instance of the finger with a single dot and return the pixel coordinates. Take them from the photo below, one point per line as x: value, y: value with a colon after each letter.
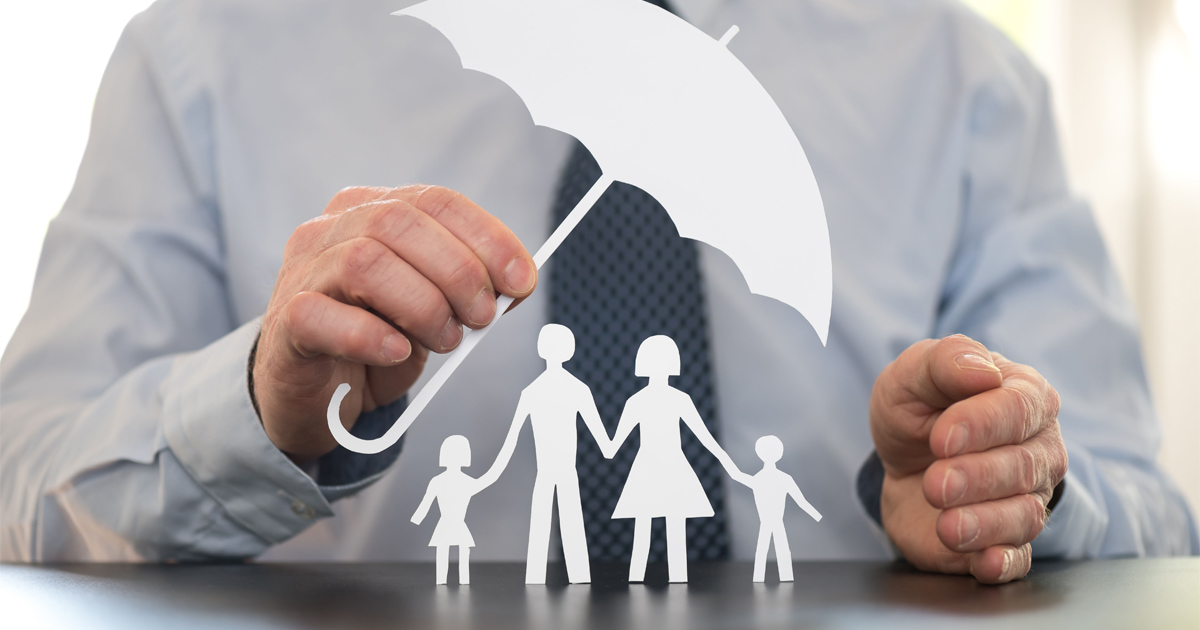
x: 1033, y: 467
x: 318, y: 324
x: 386, y: 384
x: 911, y: 392
x: 1001, y: 563
x: 1012, y: 521
x: 429, y: 248
x: 352, y: 196
x: 365, y: 272
x: 508, y: 263
x: 939, y: 372
x: 1020, y: 408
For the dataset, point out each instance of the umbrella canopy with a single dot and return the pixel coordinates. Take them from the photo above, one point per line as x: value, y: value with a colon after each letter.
x: 661, y: 106
x: 666, y: 108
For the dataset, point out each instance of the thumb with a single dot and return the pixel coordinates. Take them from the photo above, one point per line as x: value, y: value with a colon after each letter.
x: 913, y: 390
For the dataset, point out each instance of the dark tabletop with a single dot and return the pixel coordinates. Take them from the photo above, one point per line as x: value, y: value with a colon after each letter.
x: 1103, y: 594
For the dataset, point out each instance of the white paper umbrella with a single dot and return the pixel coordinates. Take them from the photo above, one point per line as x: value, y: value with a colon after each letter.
x: 661, y: 106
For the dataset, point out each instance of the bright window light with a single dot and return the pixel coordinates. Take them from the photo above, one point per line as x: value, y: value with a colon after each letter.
x: 1188, y: 14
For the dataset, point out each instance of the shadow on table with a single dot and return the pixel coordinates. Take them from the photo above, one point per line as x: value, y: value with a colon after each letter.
x: 390, y: 595
x: 902, y: 584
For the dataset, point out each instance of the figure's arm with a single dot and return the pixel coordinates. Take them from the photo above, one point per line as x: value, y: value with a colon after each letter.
x: 591, y: 419
x: 798, y: 497
x: 506, y: 450
x: 624, y: 427
x: 692, y: 419
x: 426, y: 503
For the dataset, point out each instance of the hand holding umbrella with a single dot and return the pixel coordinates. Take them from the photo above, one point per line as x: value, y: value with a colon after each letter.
x: 661, y: 106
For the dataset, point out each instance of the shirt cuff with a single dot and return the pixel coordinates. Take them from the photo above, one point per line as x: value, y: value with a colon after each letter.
x: 210, y: 425
x: 869, y: 486
x: 342, y: 472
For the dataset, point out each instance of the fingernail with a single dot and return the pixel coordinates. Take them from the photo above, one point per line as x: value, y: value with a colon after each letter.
x: 956, y: 439
x: 1009, y: 556
x: 451, y: 334
x: 969, y: 361
x: 520, y: 275
x: 968, y: 528
x: 395, y: 348
x: 954, y: 486
x: 482, y: 309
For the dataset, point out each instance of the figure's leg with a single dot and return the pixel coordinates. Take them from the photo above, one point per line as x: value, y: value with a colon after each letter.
x: 570, y: 527
x: 641, y: 549
x: 539, y: 531
x: 783, y: 554
x: 677, y: 549
x: 760, y: 553
x: 443, y: 563
x: 464, y: 564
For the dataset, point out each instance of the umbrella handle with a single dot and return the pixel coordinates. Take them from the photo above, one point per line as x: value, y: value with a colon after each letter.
x: 470, y: 340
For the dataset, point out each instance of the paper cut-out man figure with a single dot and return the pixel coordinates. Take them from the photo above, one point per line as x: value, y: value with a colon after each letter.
x: 771, y: 488
x: 552, y: 401
x: 661, y: 482
x: 453, y: 490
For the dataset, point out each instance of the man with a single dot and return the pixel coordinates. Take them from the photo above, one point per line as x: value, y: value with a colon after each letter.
x: 131, y: 429
x: 552, y: 401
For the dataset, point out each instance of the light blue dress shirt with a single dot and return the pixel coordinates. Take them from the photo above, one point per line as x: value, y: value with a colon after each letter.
x: 220, y: 126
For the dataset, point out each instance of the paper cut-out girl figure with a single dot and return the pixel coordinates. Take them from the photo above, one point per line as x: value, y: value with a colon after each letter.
x: 552, y: 401
x: 453, y: 490
x: 661, y: 482
x: 771, y: 488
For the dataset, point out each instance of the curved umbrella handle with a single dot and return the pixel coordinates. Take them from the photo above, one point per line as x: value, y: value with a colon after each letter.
x: 470, y: 340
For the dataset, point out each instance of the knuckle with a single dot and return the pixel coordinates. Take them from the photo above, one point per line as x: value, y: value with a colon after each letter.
x: 428, y: 309
x: 437, y: 200
x: 351, y: 196
x: 1027, y: 407
x: 1035, y: 517
x: 357, y: 341
x: 304, y: 237
x: 467, y: 274
x: 1027, y: 469
x: 360, y: 257
x: 296, y: 315
x: 390, y: 220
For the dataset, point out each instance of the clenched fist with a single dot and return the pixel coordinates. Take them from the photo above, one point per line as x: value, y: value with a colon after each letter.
x: 365, y: 290
x: 972, y: 453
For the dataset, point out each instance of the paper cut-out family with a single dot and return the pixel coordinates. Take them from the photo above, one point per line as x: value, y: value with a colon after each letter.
x: 661, y: 482
x: 693, y: 127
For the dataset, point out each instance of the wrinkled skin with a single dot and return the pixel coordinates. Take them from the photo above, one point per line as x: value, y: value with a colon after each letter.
x: 972, y: 451
x: 365, y: 291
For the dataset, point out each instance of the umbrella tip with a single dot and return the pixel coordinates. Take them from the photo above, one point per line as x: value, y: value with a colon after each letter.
x: 733, y: 30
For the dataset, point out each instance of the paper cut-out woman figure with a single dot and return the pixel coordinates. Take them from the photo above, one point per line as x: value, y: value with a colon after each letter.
x: 771, y: 488
x: 661, y: 482
x: 552, y: 401
x: 453, y: 490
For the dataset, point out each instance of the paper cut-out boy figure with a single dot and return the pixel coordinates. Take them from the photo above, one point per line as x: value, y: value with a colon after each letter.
x: 771, y: 488
x: 552, y: 400
x: 453, y: 490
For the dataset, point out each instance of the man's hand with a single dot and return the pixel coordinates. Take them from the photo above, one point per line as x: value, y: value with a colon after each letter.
x: 972, y: 452
x: 365, y: 290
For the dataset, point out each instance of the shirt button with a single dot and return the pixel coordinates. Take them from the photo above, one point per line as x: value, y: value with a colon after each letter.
x: 303, y: 510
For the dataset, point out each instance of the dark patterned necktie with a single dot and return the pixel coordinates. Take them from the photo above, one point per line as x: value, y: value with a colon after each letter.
x: 623, y: 275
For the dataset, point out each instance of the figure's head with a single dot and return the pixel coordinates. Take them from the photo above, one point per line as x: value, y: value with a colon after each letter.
x: 556, y: 343
x: 657, y: 356
x: 456, y: 452
x: 769, y: 449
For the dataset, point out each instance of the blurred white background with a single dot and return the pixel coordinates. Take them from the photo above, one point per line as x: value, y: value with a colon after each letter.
x: 1126, y: 81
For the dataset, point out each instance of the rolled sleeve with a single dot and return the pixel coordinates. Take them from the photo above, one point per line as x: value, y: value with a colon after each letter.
x: 211, y: 427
